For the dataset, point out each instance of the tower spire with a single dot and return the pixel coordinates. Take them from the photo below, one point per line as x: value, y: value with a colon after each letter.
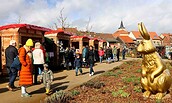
x: 121, y: 26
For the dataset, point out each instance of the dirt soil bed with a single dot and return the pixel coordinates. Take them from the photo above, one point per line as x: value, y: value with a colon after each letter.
x: 120, y: 85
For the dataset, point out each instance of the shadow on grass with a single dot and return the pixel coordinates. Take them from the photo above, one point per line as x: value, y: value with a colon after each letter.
x: 54, y: 87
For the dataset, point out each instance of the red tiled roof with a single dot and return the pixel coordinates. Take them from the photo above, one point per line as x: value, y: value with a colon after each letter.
x: 79, y: 37
x: 126, y: 39
x: 102, y: 40
x: 166, y: 35
x: 104, y: 36
x: 117, y: 33
x: 167, y: 39
x: 74, y: 30
x: 153, y: 35
x: 136, y: 34
x: 28, y: 26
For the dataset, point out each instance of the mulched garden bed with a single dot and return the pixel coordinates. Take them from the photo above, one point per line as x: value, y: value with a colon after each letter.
x: 120, y: 85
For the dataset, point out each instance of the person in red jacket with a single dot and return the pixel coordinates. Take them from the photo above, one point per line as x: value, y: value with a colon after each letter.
x: 101, y: 54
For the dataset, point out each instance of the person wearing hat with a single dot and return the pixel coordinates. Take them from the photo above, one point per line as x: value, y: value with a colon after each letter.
x: 47, y: 78
x: 38, y: 60
x: 25, y: 74
x: 11, y: 53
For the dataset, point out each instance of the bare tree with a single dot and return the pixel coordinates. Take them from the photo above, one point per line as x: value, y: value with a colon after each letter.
x: 62, y: 20
x: 55, y: 24
x: 18, y: 20
x: 88, y: 26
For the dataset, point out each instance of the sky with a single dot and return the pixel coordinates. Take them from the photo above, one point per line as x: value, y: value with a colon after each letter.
x: 104, y: 16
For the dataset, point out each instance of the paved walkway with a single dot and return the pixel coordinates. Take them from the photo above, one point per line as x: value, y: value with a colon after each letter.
x: 63, y: 80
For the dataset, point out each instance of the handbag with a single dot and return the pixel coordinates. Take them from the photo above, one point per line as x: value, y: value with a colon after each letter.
x: 16, y: 63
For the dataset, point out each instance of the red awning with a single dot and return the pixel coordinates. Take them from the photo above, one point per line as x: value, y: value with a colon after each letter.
x: 95, y: 39
x: 53, y: 31
x: 101, y: 40
x: 28, y: 26
x: 57, y: 31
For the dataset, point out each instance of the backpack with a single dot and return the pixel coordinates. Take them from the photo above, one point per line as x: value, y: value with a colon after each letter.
x: 16, y: 63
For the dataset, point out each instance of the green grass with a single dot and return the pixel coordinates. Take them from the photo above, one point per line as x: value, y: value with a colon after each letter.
x: 110, y: 73
x: 94, y: 84
x: 120, y: 93
x: 75, y: 92
x: 133, y: 79
x: 139, y: 71
x: 137, y: 89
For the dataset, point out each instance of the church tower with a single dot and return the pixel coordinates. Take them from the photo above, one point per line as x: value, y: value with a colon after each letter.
x: 121, y: 26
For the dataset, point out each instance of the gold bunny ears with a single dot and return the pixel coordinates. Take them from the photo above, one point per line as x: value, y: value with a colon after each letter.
x: 143, y: 31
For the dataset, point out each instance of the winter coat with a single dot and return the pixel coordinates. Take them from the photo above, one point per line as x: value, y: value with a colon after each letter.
x: 91, y: 57
x: 118, y: 51
x: 26, y: 67
x: 85, y: 53
x: 77, y: 62
x: 46, y: 76
x: 114, y: 50
x: 10, y: 53
x: 38, y: 56
x: 101, y: 52
x: 66, y: 54
x: 108, y: 53
x: 123, y: 51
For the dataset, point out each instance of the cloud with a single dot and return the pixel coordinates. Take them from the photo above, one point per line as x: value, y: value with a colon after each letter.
x: 105, y: 14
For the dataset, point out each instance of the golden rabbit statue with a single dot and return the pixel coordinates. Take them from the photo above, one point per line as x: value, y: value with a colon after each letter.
x: 156, y: 79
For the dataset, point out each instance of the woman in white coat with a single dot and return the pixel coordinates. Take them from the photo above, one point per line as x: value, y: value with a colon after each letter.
x: 38, y: 60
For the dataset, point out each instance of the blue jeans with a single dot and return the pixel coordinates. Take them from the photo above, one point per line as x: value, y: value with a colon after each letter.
x: 114, y: 56
x: 108, y: 59
x: 91, y: 68
x: 12, y: 76
x: 123, y: 56
x: 76, y: 70
x: 101, y: 58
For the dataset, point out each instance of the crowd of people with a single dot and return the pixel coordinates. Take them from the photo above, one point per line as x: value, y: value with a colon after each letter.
x: 27, y: 61
x: 90, y: 55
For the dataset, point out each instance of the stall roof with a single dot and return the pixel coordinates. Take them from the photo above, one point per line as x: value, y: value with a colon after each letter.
x: 80, y: 37
x: 95, y: 39
x: 102, y: 40
x: 57, y: 31
x: 28, y: 26
x: 54, y: 31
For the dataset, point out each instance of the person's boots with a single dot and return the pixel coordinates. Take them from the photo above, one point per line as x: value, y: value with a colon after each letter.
x: 47, y: 91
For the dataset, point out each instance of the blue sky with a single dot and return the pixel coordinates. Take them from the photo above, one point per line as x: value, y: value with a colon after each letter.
x: 105, y: 15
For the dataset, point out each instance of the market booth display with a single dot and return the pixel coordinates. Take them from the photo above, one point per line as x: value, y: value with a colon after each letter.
x: 20, y: 33
x: 94, y: 42
x: 102, y: 43
x: 61, y: 40
x: 78, y: 42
